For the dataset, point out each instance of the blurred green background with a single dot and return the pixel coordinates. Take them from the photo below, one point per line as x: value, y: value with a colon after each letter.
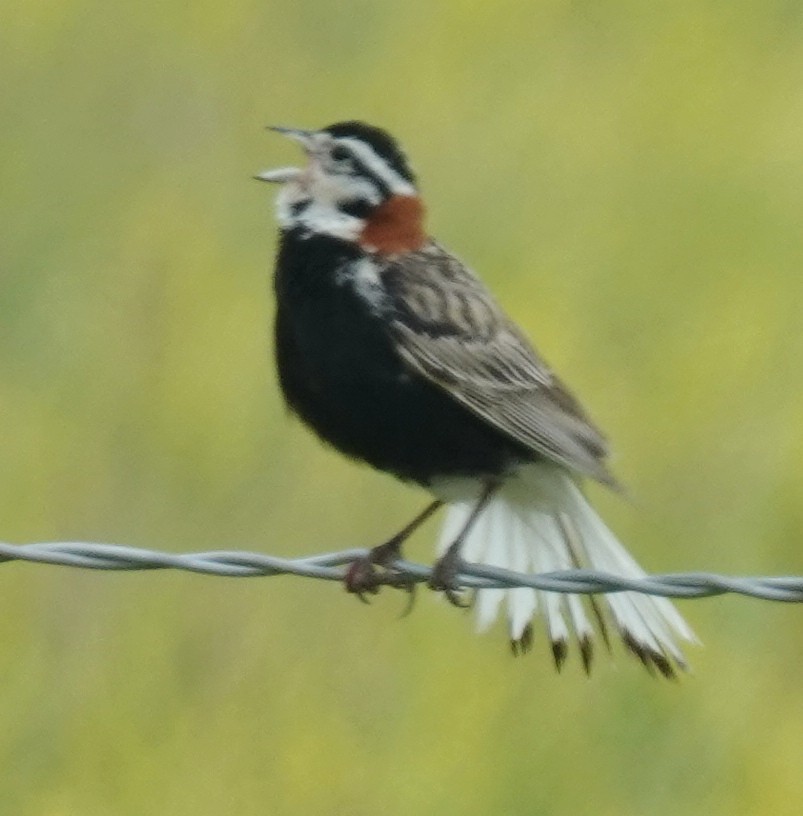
x: 627, y: 176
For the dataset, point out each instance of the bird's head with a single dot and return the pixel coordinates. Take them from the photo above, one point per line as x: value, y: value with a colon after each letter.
x: 357, y: 186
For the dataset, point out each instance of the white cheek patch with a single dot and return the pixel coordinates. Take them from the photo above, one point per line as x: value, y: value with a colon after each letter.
x: 311, y: 203
x: 325, y: 218
x: 336, y: 188
x: 296, y: 207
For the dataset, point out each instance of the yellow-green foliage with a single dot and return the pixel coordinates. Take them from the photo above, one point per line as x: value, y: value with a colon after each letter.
x: 627, y: 176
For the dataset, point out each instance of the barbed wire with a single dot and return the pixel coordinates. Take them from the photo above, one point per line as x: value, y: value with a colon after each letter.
x: 331, y: 567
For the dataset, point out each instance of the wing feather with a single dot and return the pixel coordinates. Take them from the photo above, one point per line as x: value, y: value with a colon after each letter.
x: 448, y: 328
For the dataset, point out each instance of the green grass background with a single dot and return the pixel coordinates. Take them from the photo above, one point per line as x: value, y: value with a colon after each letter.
x: 627, y: 176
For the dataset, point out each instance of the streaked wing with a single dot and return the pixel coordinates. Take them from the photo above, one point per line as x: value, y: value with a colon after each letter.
x: 448, y: 328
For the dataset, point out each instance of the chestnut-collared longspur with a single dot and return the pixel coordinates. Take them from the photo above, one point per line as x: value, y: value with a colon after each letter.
x: 396, y: 354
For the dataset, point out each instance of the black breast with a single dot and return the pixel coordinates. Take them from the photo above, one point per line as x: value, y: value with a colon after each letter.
x: 340, y: 373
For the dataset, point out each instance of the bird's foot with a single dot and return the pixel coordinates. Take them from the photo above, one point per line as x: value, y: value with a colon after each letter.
x: 444, y: 577
x: 368, y: 574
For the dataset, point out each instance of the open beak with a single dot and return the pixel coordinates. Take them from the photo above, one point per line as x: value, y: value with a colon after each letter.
x: 284, y: 174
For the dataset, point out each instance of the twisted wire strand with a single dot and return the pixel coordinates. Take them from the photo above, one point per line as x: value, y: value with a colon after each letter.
x: 330, y: 567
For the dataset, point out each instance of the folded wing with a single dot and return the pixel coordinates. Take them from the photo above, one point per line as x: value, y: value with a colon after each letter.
x: 448, y: 329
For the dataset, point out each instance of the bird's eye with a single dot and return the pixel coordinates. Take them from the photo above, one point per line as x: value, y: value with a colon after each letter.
x: 340, y: 153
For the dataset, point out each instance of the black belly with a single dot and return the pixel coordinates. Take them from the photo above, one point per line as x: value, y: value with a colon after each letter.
x: 339, y: 372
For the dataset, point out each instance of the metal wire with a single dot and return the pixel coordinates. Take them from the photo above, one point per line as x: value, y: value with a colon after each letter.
x: 331, y: 567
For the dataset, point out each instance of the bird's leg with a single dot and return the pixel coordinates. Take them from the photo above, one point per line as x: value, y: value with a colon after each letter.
x: 447, y: 567
x: 362, y: 576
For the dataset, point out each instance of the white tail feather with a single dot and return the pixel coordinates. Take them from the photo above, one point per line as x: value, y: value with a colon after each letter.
x: 539, y: 521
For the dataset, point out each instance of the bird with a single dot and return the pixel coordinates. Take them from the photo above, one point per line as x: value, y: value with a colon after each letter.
x: 396, y: 354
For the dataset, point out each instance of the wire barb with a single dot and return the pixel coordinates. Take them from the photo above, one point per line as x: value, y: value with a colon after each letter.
x: 332, y: 567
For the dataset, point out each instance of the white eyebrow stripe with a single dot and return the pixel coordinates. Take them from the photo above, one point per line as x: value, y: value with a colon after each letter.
x: 378, y: 166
